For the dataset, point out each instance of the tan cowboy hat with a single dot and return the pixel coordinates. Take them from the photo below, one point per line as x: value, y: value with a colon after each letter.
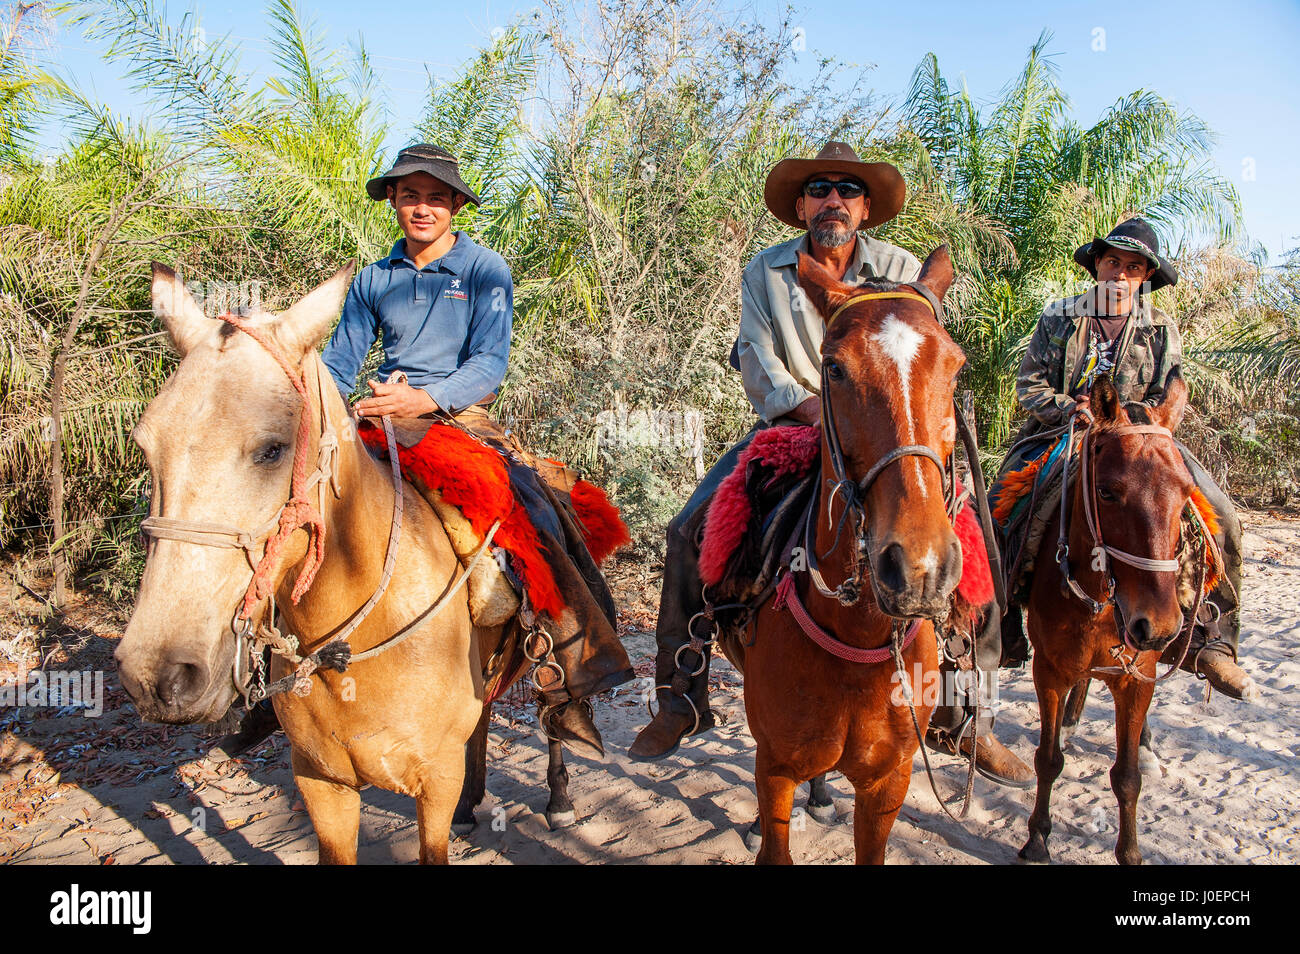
x: 884, y: 183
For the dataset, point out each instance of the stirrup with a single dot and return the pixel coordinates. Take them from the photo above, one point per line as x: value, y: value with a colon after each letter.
x: 694, y: 709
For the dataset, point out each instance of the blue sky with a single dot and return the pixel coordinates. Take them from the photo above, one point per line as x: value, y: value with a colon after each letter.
x: 1232, y: 65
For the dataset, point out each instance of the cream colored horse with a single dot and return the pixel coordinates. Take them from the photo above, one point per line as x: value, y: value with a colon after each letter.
x: 220, y: 439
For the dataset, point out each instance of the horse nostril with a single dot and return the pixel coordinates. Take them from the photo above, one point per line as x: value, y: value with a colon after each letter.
x: 1141, y: 629
x: 953, y: 565
x: 890, y: 570
x: 178, y: 683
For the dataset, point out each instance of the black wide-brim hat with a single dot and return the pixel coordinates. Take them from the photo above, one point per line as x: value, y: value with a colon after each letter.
x: 885, y: 184
x: 1133, y: 235
x: 434, y: 160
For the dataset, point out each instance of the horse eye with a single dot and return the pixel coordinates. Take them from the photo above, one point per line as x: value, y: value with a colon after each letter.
x: 269, y: 453
x: 1106, y: 494
x: 834, y: 371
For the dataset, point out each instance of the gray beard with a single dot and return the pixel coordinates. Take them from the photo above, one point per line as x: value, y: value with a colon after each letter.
x: 832, y: 235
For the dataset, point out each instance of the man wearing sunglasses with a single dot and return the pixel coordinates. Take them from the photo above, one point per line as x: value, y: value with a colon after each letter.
x: 832, y: 199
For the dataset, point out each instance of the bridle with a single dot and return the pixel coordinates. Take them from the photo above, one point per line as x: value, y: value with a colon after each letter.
x: 253, y: 634
x: 855, y: 492
x: 1101, y: 549
x: 297, y: 512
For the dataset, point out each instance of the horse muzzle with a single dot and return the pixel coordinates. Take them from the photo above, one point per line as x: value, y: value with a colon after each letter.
x: 1140, y: 633
x: 174, y: 686
x: 916, y: 581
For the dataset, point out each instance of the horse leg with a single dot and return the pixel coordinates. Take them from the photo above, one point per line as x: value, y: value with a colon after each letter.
x: 335, y: 812
x: 1132, y: 698
x: 1074, y: 709
x: 1148, y: 759
x: 475, y: 787
x: 1048, y: 762
x: 820, y: 806
x: 440, y: 787
x: 775, y: 805
x: 875, y: 808
x: 559, y: 810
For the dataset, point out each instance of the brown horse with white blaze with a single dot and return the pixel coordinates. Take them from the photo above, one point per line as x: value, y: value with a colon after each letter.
x: 1116, y: 599
x: 224, y: 439
x: 889, y: 372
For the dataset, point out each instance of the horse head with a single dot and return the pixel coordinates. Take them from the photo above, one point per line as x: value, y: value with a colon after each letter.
x: 1140, y: 487
x: 889, y: 370
x: 220, y: 441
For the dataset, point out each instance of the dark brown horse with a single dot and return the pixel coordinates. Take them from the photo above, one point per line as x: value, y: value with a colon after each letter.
x: 883, y: 548
x: 1121, y: 606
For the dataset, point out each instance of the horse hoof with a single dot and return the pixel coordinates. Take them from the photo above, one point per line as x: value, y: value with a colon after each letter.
x: 561, y: 819
x: 1067, y: 733
x: 754, y: 838
x: 461, y: 829
x: 1148, y: 762
x: 1033, y: 854
x: 821, y: 813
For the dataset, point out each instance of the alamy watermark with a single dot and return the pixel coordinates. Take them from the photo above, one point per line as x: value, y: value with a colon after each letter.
x: 58, y: 689
x: 665, y: 429
x: 221, y: 298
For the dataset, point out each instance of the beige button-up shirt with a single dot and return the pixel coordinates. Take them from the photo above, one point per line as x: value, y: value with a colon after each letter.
x: 780, y: 341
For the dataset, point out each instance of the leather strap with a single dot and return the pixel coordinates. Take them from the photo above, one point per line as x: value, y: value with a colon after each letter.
x: 787, y: 596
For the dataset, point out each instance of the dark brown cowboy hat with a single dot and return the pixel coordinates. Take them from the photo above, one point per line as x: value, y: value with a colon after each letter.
x: 885, y: 185
x: 1133, y: 235
x: 435, y: 160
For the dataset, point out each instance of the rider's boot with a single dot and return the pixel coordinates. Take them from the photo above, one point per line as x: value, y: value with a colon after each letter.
x: 570, y: 671
x: 682, y: 663
x: 579, y: 654
x: 993, y: 760
x: 962, y: 720
x: 257, y: 725
x: 569, y: 720
x: 1212, y: 654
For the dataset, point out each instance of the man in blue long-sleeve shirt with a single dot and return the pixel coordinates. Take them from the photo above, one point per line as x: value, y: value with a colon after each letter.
x: 444, y: 306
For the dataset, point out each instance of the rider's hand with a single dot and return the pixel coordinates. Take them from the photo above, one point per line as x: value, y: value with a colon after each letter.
x: 1083, y: 405
x: 809, y: 412
x: 399, y: 400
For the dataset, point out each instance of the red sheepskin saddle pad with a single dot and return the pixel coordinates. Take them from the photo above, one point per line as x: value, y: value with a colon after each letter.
x: 787, y: 454
x: 472, y: 476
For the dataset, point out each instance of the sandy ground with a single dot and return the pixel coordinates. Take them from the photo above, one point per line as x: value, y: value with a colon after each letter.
x: 109, y: 790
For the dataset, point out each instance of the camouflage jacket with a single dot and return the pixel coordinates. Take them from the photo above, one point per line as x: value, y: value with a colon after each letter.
x: 1149, y: 352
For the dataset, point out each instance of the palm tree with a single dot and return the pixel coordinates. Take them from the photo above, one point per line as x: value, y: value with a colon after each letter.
x: 1053, y: 185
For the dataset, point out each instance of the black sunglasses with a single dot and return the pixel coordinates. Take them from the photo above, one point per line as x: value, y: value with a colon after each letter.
x: 821, y: 188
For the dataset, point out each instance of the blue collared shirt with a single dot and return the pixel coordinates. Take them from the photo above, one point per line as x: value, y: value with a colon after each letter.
x: 446, y: 325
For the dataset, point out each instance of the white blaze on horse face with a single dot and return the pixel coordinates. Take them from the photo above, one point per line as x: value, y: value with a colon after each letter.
x: 929, y: 562
x: 901, y: 342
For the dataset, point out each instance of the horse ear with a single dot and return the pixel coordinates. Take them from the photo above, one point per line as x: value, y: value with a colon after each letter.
x: 1169, y: 412
x: 1106, y: 405
x: 176, y: 308
x: 936, y: 272
x: 301, y: 327
x: 822, y: 288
